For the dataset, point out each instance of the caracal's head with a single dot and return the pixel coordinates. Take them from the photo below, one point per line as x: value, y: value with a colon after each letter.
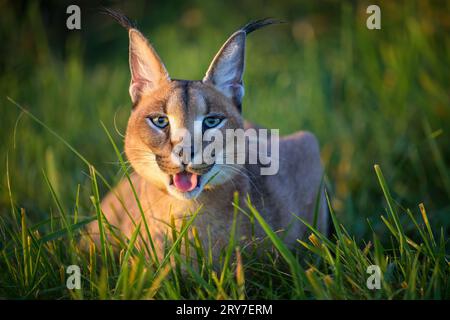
x: 170, y: 117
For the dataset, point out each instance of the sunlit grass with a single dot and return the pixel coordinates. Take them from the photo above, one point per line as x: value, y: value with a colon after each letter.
x: 371, y: 97
x: 35, y: 263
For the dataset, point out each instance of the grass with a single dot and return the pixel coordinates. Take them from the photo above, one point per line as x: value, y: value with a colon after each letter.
x: 371, y: 97
x: 330, y: 268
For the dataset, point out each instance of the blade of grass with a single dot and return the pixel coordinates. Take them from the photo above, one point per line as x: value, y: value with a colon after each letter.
x: 390, y: 202
x: 124, y: 169
x: 296, y: 270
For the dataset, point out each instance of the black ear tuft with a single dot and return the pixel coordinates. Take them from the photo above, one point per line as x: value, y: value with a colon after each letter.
x: 255, y: 25
x: 122, y: 19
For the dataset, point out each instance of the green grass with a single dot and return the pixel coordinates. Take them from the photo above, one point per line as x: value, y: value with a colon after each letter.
x: 371, y: 97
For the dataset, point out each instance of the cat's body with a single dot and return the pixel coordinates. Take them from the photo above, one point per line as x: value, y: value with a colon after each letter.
x: 173, y: 187
x: 278, y: 198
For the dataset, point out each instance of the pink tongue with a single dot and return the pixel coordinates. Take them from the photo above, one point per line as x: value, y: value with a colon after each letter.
x: 185, y: 181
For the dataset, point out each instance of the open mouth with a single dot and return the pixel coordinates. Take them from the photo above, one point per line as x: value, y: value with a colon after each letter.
x: 185, y: 181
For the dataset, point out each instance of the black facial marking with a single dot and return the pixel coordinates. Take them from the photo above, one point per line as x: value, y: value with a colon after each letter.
x: 164, y: 107
x: 186, y: 96
x: 183, y: 85
x: 208, y: 105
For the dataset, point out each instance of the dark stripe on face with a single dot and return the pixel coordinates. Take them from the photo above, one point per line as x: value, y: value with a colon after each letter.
x: 208, y: 105
x: 183, y: 85
x: 185, y: 96
x: 164, y: 107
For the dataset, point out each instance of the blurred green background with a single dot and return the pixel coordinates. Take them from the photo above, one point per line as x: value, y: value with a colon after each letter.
x: 370, y: 96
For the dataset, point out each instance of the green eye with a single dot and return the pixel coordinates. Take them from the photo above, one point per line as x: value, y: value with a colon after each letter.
x: 160, y: 121
x: 211, y: 122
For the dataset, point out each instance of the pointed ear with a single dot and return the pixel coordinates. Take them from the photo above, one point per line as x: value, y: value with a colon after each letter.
x: 227, y: 68
x: 147, y: 70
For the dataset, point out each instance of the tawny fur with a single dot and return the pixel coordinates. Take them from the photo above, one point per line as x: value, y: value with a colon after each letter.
x: 292, y: 191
